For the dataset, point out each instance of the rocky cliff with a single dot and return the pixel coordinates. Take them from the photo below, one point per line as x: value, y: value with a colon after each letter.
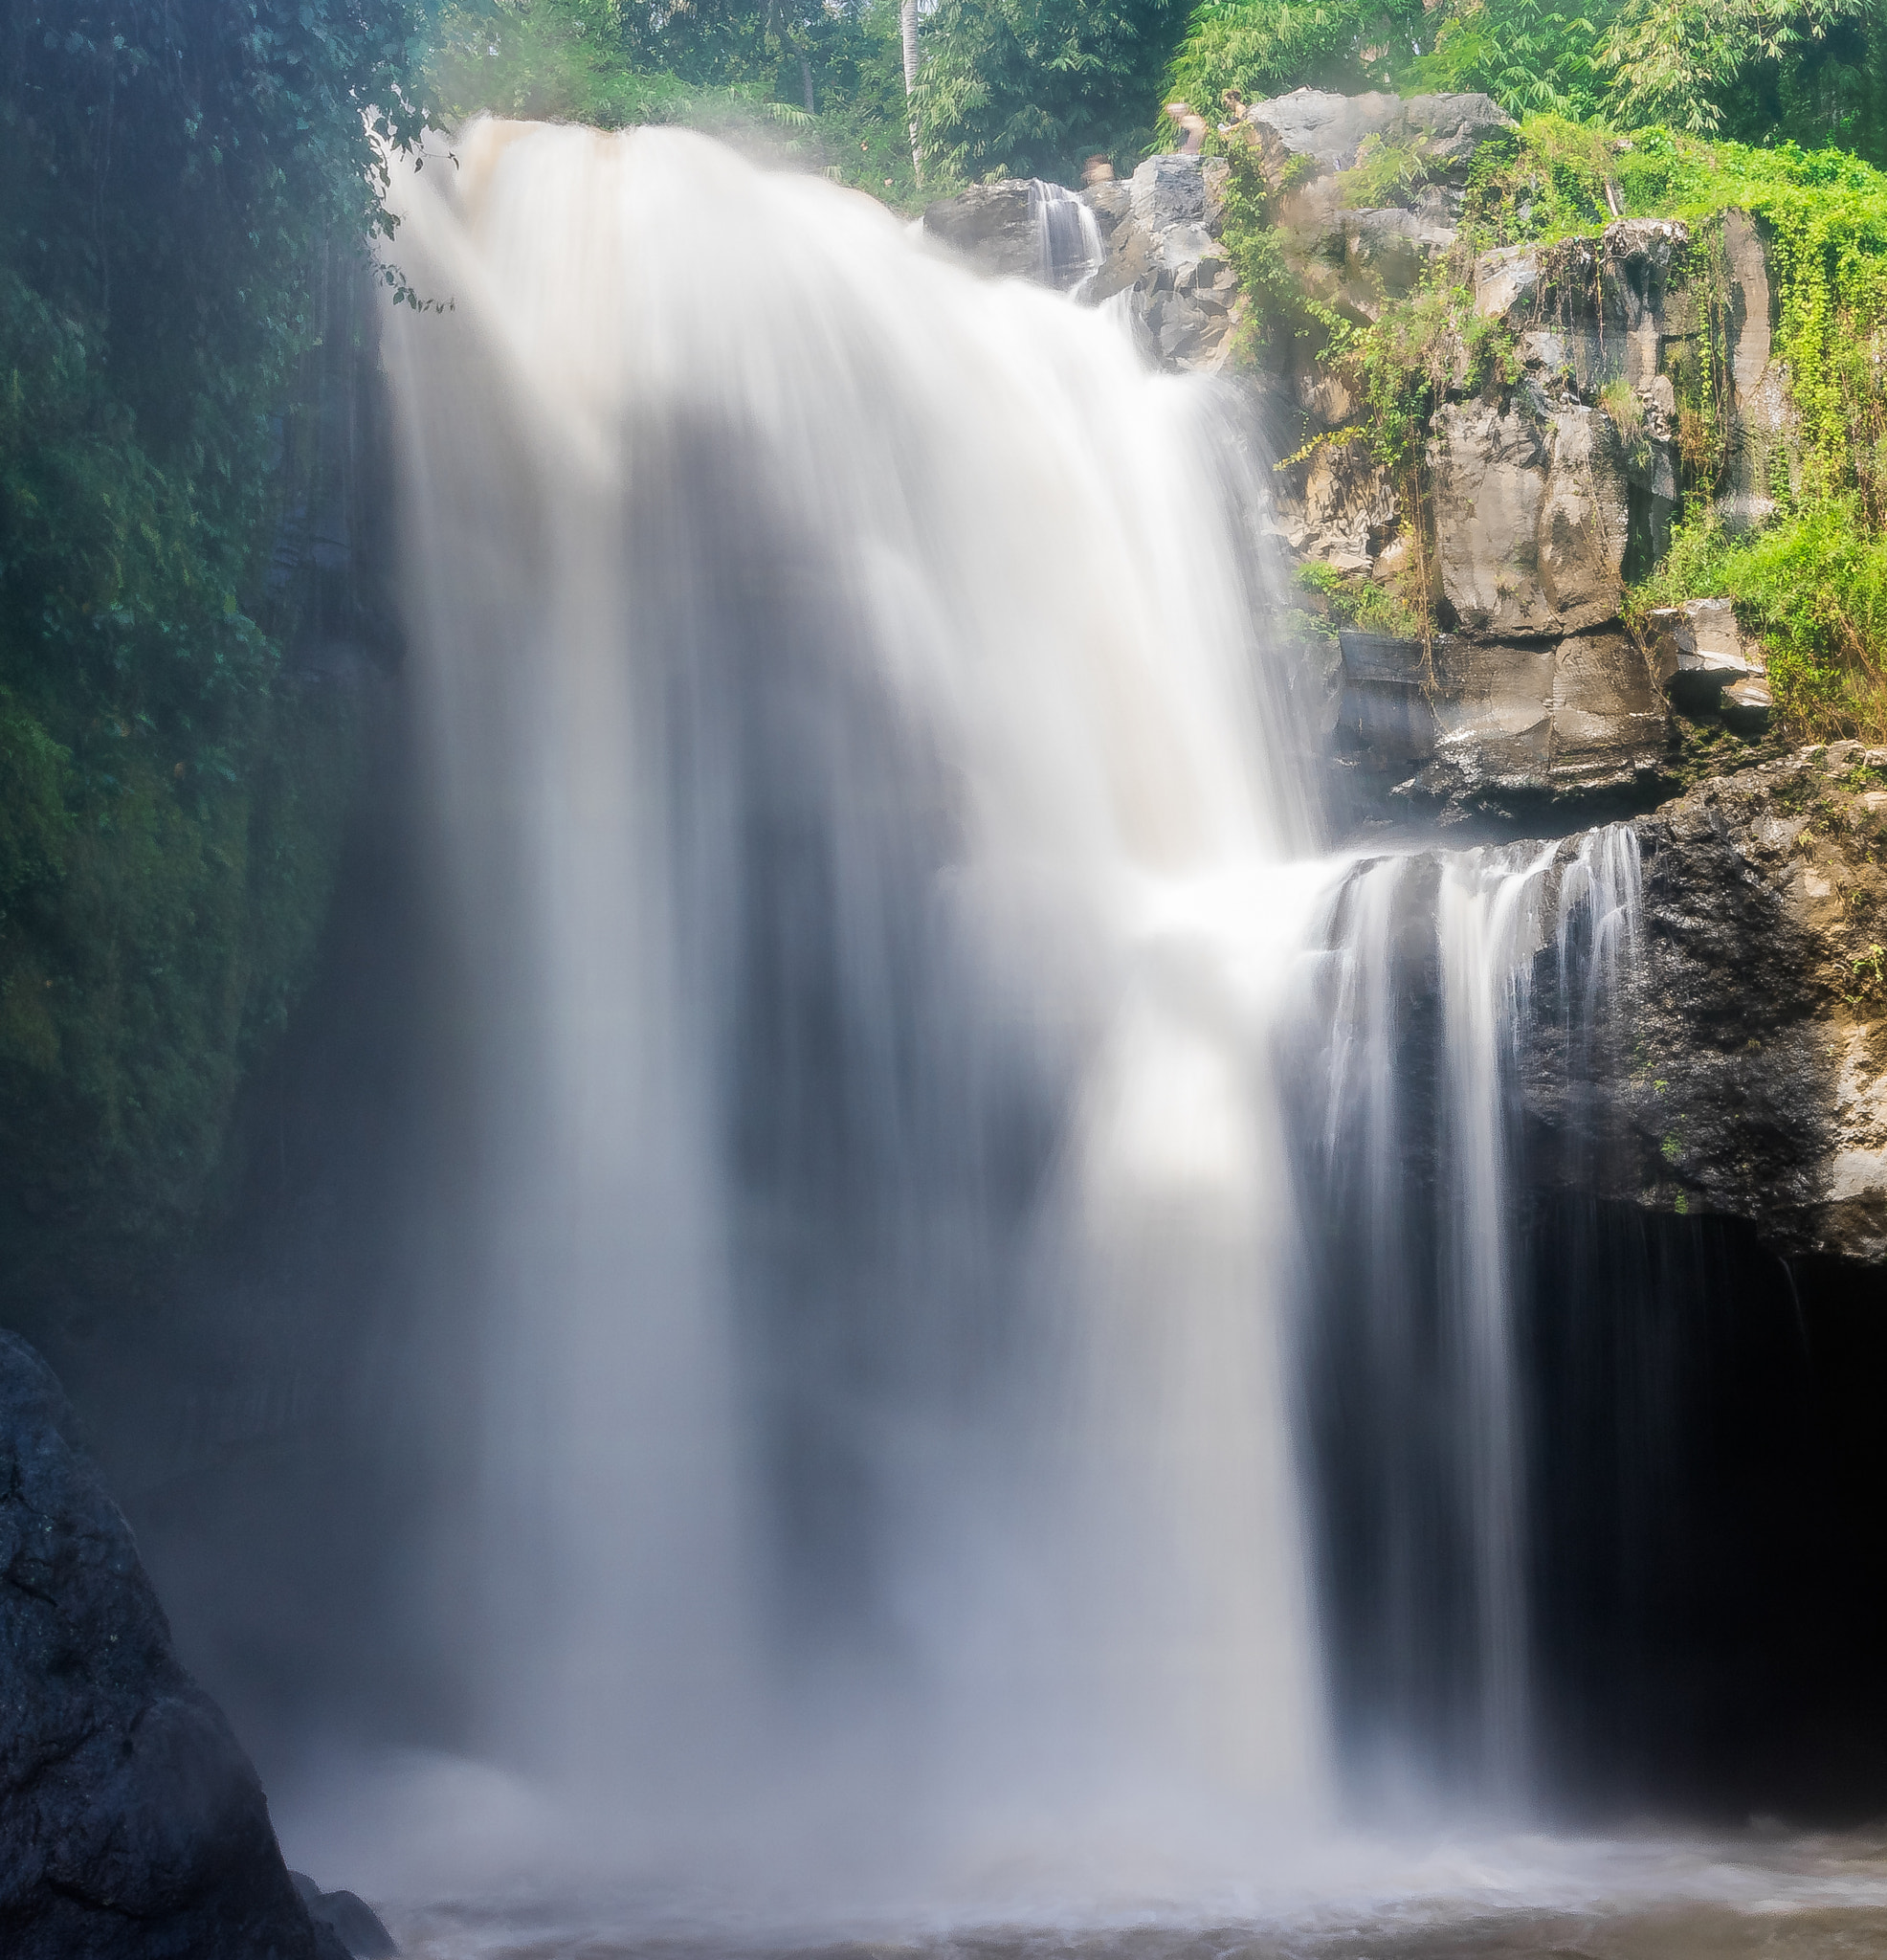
x: 1742, y: 1068
x: 1545, y: 472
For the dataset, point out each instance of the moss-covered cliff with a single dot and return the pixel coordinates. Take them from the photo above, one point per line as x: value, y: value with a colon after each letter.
x: 1723, y: 309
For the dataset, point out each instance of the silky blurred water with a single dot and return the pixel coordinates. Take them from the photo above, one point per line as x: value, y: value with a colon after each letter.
x: 915, y: 1032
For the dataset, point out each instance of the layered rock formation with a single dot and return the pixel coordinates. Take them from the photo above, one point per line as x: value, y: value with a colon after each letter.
x: 1549, y: 484
x: 1552, y: 469
x: 132, y: 1826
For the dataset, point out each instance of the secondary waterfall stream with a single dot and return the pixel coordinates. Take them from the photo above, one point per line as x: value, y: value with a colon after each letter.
x: 939, y: 1126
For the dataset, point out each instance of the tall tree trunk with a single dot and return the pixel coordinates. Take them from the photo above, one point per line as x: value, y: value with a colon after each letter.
x: 907, y: 23
x: 806, y: 83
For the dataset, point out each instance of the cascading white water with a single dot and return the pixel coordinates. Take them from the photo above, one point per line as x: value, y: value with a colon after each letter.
x: 1491, y: 929
x: 1069, y: 236
x: 867, y: 849
x: 939, y: 1146
x: 1413, y: 1045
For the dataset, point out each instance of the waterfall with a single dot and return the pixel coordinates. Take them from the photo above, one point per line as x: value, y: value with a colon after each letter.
x: 1408, y: 1057
x: 1069, y: 237
x: 951, y: 1265
x: 872, y: 869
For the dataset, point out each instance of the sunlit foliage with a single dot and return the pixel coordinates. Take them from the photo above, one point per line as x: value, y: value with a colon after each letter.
x: 1811, y: 71
x: 1031, y: 88
x: 821, y: 86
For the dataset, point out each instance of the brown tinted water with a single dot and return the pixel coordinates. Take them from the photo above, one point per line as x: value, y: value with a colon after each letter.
x: 1670, y: 1932
x: 1647, y: 1898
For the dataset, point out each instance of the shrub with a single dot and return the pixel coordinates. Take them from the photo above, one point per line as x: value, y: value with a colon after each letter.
x: 1814, y: 586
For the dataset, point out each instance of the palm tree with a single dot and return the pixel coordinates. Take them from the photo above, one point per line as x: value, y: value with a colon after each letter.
x: 907, y: 23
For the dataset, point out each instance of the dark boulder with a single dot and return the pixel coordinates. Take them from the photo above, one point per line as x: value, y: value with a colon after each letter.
x: 1743, y: 1069
x: 348, y: 1916
x: 991, y: 225
x: 132, y: 1826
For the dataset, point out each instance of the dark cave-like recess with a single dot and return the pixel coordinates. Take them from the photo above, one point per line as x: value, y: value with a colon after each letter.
x: 1708, y: 1511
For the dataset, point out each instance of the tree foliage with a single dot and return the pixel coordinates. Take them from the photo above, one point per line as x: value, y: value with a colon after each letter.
x: 180, y: 181
x: 1674, y: 61
x: 821, y: 84
x: 1031, y: 88
x: 1533, y: 59
x: 1273, y: 46
x: 1810, y: 71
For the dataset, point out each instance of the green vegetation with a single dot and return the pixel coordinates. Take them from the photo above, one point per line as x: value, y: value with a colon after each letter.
x: 1350, y: 599
x: 1813, y: 72
x: 1030, y: 88
x: 1267, y: 47
x: 1679, y: 61
x: 1006, y: 87
x: 821, y: 87
x: 180, y: 186
x: 1814, y: 584
x: 1814, y: 581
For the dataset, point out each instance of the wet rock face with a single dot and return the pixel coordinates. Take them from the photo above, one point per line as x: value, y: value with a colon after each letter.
x: 132, y: 1826
x: 1764, y: 427
x: 1495, y: 721
x: 1554, y: 475
x: 1645, y: 304
x: 1163, y: 253
x: 1585, y: 519
x: 1551, y: 478
x: 1531, y: 517
x: 1490, y: 469
x: 992, y: 226
x: 1159, y: 234
x: 1744, y: 1071
x: 1554, y: 483
x: 1341, y: 506
x: 1593, y: 322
